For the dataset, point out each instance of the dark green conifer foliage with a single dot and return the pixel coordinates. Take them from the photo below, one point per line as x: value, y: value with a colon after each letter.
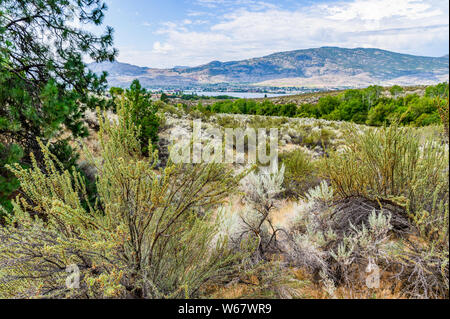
x: 45, y: 86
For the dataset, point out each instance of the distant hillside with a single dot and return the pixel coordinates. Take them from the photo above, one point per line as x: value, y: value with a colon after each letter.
x: 117, y: 69
x: 326, y: 67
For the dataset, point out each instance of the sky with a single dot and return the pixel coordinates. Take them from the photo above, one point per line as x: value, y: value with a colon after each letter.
x: 169, y: 33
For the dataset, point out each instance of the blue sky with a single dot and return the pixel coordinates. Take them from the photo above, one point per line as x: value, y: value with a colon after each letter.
x: 166, y: 33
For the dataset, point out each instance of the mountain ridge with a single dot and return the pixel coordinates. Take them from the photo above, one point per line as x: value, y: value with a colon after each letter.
x: 317, y: 67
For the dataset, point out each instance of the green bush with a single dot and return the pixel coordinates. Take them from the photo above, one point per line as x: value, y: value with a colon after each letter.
x: 388, y: 162
x: 327, y: 104
x: 443, y: 109
x: 381, y: 114
x: 267, y: 122
x: 439, y: 90
x: 228, y: 122
x: 152, y: 234
x: 288, y: 110
x: 393, y: 165
x: 395, y: 90
x: 143, y: 113
x: 299, y: 174
x: 321, y: 137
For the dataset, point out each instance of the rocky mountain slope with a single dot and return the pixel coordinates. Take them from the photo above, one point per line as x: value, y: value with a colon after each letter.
x: 326, y: 67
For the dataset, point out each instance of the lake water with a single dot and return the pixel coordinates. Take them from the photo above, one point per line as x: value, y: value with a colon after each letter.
x: 242, y: 95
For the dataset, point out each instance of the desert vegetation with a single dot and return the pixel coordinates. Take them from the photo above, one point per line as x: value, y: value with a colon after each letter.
x: 358, y: 206
x: 359, y: 197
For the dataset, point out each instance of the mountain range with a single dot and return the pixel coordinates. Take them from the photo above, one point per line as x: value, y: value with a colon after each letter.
x: 325, y: 67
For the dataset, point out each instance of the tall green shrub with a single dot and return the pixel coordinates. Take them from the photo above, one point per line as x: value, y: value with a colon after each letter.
x: 143, y: 113
x: 299, y: 174
x: 151, y: 235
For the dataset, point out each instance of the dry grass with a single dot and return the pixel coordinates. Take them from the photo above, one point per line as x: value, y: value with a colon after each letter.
x: 235, y: 291
x: 315, y: 290
x: 282, y: 215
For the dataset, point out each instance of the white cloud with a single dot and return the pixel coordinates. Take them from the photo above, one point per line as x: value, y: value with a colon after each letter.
x: 409, y: 26
x: 251, y: 4
x: 380, y: 9
x: 192, y: 13
x: 159, y: 48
